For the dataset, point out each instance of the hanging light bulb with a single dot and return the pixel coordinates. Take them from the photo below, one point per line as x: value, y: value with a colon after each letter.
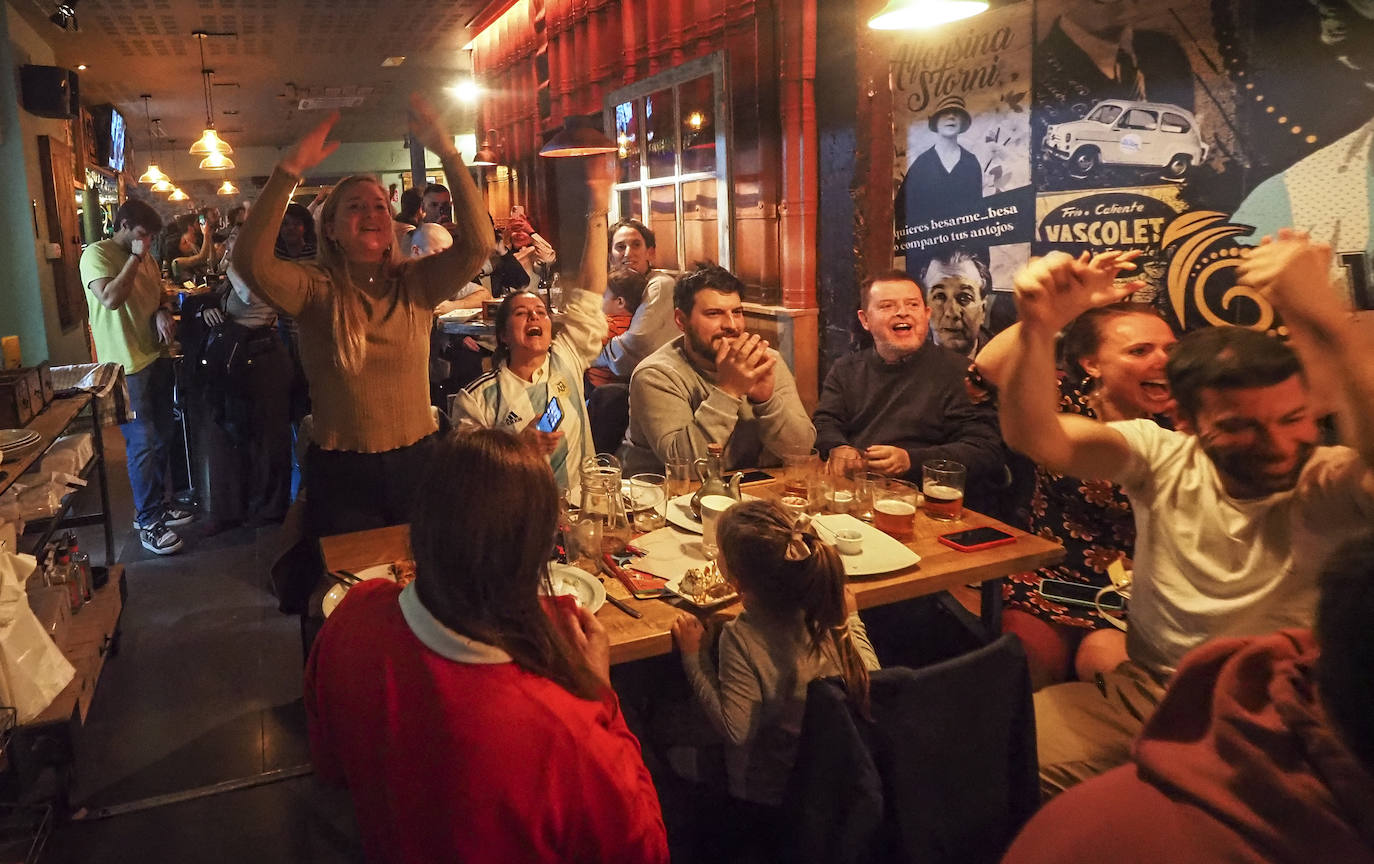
x: 154, y: 173
x: 216, y: 162
x: 209, y: 141
x: 178, y: 195
x: 228, y: 188
x: 922, y: 14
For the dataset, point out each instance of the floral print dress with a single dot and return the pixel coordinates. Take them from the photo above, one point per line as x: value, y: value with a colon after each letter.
x: 1092, y: 519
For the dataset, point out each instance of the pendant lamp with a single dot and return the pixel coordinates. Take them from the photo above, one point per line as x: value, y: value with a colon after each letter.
x: 228, y: 188
x: 209, y: 141
x: 922, y: 14
x: 178, y: 195
x: 486, y: 156
x: 154, y: 173
x: 577, y: 138
x: 216, y: 162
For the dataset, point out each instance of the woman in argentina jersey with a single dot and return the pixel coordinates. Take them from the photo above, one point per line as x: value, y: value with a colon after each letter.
x: 533, y: 367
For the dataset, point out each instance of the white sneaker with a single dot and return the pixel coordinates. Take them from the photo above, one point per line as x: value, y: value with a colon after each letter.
x: 159, y: 539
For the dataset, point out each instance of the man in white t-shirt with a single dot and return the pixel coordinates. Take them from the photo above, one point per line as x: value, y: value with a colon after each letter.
x: 1234, y: 511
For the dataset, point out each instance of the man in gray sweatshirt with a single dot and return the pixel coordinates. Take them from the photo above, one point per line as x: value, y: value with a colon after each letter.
x: 714, y: 384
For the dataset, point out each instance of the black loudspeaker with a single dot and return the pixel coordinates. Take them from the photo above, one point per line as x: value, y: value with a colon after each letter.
x: 49, y: 91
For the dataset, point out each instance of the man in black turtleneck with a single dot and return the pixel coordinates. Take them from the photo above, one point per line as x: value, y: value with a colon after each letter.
x: 902, y: 401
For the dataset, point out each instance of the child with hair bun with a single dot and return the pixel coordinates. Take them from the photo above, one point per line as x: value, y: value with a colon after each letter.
x: 799, y: 623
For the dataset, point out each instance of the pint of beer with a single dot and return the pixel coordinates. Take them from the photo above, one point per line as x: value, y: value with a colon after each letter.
x: 942, y: 483
x: 894, y: 509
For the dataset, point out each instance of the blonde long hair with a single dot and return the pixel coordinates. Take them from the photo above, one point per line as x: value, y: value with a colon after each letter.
x: 350, y: 305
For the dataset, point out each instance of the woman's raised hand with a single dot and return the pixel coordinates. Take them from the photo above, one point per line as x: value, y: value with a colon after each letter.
x: 426, y: 128
x: 1053, y: 290
x: 312, y: 149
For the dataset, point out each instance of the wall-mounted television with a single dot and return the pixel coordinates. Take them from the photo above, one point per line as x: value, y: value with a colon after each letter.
x: 110, y: 132
x: 117, y: 129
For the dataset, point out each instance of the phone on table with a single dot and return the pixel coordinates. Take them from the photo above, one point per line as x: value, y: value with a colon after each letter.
x: 976, y: 538
x: 552, y: 418
x: 1078, y: 594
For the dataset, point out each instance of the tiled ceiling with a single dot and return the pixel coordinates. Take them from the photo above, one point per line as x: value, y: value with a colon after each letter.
x: 281, y: 51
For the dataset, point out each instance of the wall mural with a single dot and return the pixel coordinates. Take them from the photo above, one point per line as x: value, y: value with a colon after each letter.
x: 1187, y: 131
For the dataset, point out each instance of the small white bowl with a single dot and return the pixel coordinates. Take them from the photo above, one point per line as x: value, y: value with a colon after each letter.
x: 849, y: 541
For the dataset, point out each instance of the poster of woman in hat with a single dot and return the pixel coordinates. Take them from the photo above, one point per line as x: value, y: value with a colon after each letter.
x: 962, y: 166
x: 946, y: 178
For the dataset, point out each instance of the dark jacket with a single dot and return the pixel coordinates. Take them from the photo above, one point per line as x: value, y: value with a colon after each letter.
x: 946, y: 772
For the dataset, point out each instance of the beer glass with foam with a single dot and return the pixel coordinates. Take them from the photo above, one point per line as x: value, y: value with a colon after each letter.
x: 942, y: 482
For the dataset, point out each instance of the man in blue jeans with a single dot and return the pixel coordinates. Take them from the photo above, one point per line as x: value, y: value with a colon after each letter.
x: 132, y: 327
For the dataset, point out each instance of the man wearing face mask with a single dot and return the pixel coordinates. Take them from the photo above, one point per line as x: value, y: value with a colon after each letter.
x: 132, y: 328
x: 902, y: 402
x: 1234, y: 511
x: 714, y: 384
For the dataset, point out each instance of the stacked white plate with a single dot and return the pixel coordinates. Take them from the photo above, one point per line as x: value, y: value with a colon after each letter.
x: 14, y: 440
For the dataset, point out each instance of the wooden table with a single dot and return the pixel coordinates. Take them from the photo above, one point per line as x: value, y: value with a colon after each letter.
x: 940, y: 569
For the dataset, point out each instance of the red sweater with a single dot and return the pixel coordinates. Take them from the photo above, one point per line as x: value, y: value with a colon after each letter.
x: 471, y: 762
x: 1238, y: 764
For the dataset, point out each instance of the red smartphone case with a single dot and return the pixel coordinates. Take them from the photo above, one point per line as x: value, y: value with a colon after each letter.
x: 1001, y: 541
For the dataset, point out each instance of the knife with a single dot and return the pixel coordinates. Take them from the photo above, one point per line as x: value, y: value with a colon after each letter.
x: 609, y: 568
x: 623, y: 606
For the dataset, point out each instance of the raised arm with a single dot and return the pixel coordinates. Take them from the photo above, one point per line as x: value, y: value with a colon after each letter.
x: 584, y: 327
x: 1051, y: 292
x: 207, y: 245
x: 1336, y: 351
x: 285, y: 285
x: 473, y: 242
x: 995, y: 357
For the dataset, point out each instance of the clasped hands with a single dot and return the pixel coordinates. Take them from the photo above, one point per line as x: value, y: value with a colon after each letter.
x: 744, y: 367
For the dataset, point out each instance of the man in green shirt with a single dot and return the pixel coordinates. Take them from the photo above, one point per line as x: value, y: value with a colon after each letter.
x: 132, y: 327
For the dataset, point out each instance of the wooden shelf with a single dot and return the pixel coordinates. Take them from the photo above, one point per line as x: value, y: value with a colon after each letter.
x: 88, y: 642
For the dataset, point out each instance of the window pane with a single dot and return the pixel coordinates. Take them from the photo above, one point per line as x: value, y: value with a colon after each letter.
x: 627, y: 136
x: 663, y: 222
x: 660, y: 138
x: 697, y: 98
x: 630, y: 206
x: 700, y: 221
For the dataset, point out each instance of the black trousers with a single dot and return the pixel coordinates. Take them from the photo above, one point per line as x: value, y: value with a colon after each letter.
x: 347, y: 491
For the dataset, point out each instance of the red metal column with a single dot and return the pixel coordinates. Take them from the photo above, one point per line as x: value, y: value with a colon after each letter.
x: 797, y: 211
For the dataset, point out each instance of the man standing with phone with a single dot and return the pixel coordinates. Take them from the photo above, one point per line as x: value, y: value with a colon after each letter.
x: 133, y: 329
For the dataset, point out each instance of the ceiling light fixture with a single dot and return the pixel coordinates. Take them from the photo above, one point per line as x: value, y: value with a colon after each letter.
x: 923, y: 14
x: 577, y: 138
x: 209, y: 141
x: 488, y: 155
x: 154, y: 173
x: 64, y: 15
x: 467, y: 90
x: 216, y: 162
x: 178, y: 195
x: 165, y: 185
x: 228, y: 188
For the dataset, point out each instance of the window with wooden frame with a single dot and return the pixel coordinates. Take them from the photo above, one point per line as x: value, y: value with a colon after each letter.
x: 672, y: 169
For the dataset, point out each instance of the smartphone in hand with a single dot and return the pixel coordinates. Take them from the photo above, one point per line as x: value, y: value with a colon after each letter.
x: 552, y: 418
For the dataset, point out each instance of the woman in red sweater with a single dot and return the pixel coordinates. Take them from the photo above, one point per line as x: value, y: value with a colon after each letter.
x: 468, y: 722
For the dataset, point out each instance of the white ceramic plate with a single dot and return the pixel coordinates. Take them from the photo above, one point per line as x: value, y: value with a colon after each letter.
x: 582, y: 586
x: 881, y: 553
x: 14, y: 439
x: 680, y: 512
x: 336, y: 593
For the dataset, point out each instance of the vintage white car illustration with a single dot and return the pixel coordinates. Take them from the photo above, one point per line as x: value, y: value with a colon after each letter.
x: 1123, y: 132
